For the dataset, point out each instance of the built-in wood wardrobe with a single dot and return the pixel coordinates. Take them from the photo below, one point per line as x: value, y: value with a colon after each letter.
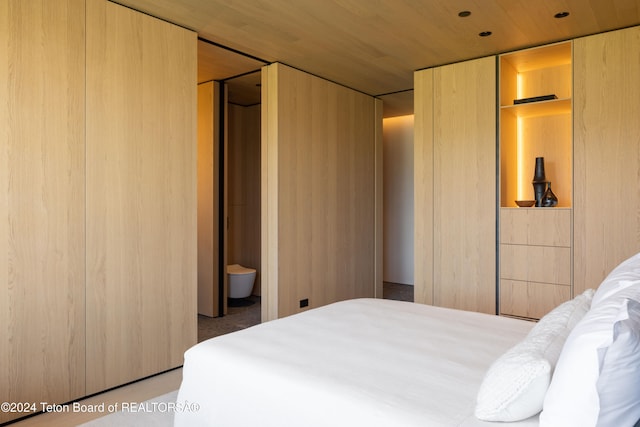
x: 97, y: 198
x: 466, y: 219
x: 454, y: 188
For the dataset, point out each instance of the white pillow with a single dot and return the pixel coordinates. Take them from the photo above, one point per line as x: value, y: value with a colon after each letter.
x: 621, y: 277
x: 572, y: 398
x: 617, y: 385
x: 559, y: 322
x: 515, y: 385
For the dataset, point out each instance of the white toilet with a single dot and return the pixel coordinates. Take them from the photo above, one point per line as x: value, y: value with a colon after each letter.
x: 241, y: 280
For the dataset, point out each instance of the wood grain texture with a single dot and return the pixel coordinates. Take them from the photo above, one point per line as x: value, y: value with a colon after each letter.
x: 269, y: 188
x: 379, y: 201
x: 423, y: 187
x: 325, y: 145
x: 538, y: 129
x: 208, y: 199
x: 244, y: 188
x: 545, y: 264
x: 225, y: 201
x: 549, y: 137
x: 41, y: 202
x: 535, y: 260
x: 548, y: 79
x: 531, y: 226
x: 141, y: 195
x: 509, y: 165
x: 464, y: 180
x: 607, y: 153
x: 535, y: 249
x: 374, y: 47
x: 531, y: 300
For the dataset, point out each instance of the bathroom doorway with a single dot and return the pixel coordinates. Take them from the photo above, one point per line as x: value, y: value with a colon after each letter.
x: 243, y: 188
x: 228, y: 184
x: 238, y: 174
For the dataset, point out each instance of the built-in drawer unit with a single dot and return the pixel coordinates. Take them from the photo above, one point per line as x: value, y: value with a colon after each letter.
x: 535, y: 260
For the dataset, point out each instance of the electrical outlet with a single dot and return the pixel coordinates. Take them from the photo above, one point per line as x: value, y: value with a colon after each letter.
x: 304, y: 302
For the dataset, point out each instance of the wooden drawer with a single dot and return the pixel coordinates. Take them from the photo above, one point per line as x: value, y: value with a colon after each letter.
x: 544, y: 264
x: 536, y: 226
x: 531, y: 300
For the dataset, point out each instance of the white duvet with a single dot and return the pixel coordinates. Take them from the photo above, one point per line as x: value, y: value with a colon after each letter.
x: 363, y: 362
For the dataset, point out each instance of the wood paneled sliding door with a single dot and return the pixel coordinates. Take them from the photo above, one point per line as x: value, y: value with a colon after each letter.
x: 423, y: 186
x: 41, y: 202
x: 455, y: 190
x: 607, y: 154
x: 319, y: 194
x: 209, y: 212
x: 141, y: 195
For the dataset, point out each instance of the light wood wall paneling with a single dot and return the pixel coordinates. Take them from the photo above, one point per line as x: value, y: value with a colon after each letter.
x: 423, y: 186
x: 208, y: 198
x: 606, y: 154
x: 325, y: 149
x: 269, y: 181
x: 225, y: 202
x: 41, y: 202
x: 141, y: 195
x: 509, y: 161
x: 244, y: 188
x: 379, y: 200
x: 465, y: 185
x: 547, y: 137
x: 252, y: 191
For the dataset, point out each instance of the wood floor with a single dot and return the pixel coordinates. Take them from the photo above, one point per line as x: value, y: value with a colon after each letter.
x: 157, y: 385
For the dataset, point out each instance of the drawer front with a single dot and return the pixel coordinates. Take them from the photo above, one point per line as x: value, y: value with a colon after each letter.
x: 536, y: 226
x: 531, y: 300
x: 536, y: 264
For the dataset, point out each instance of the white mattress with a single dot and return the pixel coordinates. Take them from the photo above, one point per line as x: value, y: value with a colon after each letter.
x: 364, y: 362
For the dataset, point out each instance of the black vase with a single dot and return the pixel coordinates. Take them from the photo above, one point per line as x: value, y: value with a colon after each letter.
x: 549, y: 199
x: 539, y: 181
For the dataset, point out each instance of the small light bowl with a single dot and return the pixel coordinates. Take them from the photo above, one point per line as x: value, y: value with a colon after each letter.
x: 525, y: 203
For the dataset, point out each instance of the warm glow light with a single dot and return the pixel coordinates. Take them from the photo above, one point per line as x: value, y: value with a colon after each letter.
x: 519, y: 151
x: 399, y: 121
x: 520, y: 161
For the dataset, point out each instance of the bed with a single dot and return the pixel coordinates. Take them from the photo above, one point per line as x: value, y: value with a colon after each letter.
x: 372, y: 362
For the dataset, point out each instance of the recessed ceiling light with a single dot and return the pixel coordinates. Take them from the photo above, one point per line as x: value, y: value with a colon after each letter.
x: 561, y: 15
x: 464, y: 14
x: 485, y: 34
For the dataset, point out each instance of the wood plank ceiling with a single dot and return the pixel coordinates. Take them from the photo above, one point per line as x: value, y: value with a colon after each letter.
x: 375, y: 45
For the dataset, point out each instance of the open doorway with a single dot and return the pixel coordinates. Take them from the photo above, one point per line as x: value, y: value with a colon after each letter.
x: 398, y: 259
x: 228, y: 188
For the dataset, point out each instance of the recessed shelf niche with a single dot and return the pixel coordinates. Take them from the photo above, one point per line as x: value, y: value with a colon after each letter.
x: 536, y: 129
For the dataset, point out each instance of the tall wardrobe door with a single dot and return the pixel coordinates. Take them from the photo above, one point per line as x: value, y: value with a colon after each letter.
x: 423, y: 186
x: 464, y: 179
x: 319, y: 200
x: 209, y: 163
x: 41, y: 202
x: 607, y: 153
x: 141, y: 195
